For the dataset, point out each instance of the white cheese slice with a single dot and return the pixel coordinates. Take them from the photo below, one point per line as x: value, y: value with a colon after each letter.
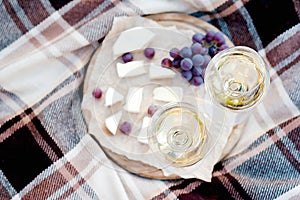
x: 134, y: 99
x: 143, y: 135
x: 112, y: 122
x: 112, y: 97
x: 130, y: 69
x: 159, y: 72
x: 131, y: 40
x: 168, y: 94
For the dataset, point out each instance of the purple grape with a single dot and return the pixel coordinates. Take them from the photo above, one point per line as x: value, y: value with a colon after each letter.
x: 204, y: 51
x: 151, y: 110
x: 197, y: 48
x: 149, y: 53
x: 125, y: 127
x: 197, y: 71
x: 197, y: 80
x: 176, y: 63
x: 186, y: 52
x: 222, y: 47
x: 219, y: 39
x: 212, y: 51
x: 197, y: 37
x: 175, y: 53
x: 198, y: 60
x: 127, y: 57
x: 203, y: 72
x: 207, y: 58
x: 209, y: 36
x: 97, y: 93
x: 187, y: 75
x: 166, y: 62
x: 186, y: 64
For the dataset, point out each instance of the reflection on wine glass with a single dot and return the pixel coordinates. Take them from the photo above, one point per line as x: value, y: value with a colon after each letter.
x: 236, y: 80
x: 177, y: 131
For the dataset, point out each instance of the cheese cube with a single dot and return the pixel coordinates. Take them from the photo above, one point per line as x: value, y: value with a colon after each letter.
x: 168, y: 94
x: 134, y: 100
x: 112, y: 122
x: 159, y: 72
x: 131, y: 40
x: 143, y: 135
x: 112, y: 97
x: 130, y: 69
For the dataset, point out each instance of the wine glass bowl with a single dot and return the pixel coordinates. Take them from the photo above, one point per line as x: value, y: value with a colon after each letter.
x: 178, y: 133
x: 236, y: 78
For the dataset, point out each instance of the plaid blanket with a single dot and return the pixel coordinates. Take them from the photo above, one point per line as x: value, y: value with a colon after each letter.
x: 45, y: 151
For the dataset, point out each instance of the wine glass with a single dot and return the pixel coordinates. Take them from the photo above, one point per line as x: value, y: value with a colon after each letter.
x: 236, y: 80
x: 177, y: 132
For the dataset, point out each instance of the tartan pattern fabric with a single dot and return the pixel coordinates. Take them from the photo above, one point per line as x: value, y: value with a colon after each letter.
x: 45, y: 152
x: 258, y: 168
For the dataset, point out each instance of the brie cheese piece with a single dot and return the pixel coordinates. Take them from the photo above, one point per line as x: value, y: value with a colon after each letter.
x: 168, y: 94
x: 130, y: 69
x: 131, y: 40
x: 112, y: 97
x: 159, y: 72
x: 143, y: 135
x: 112, y: 122
x: 134, y: 100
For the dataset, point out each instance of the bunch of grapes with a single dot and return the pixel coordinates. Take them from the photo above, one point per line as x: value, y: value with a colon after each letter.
x: 192, y: 61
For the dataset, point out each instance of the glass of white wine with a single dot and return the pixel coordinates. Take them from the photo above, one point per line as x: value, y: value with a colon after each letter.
x: 177, y: 133
x: 236, y: 80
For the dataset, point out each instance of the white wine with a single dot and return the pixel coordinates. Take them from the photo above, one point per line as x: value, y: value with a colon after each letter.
x: 179, y: 135
x: 242, y: 82
x: 237, y: 78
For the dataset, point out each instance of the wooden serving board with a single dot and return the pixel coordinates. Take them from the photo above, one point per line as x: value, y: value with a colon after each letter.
x: 181, y: 21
